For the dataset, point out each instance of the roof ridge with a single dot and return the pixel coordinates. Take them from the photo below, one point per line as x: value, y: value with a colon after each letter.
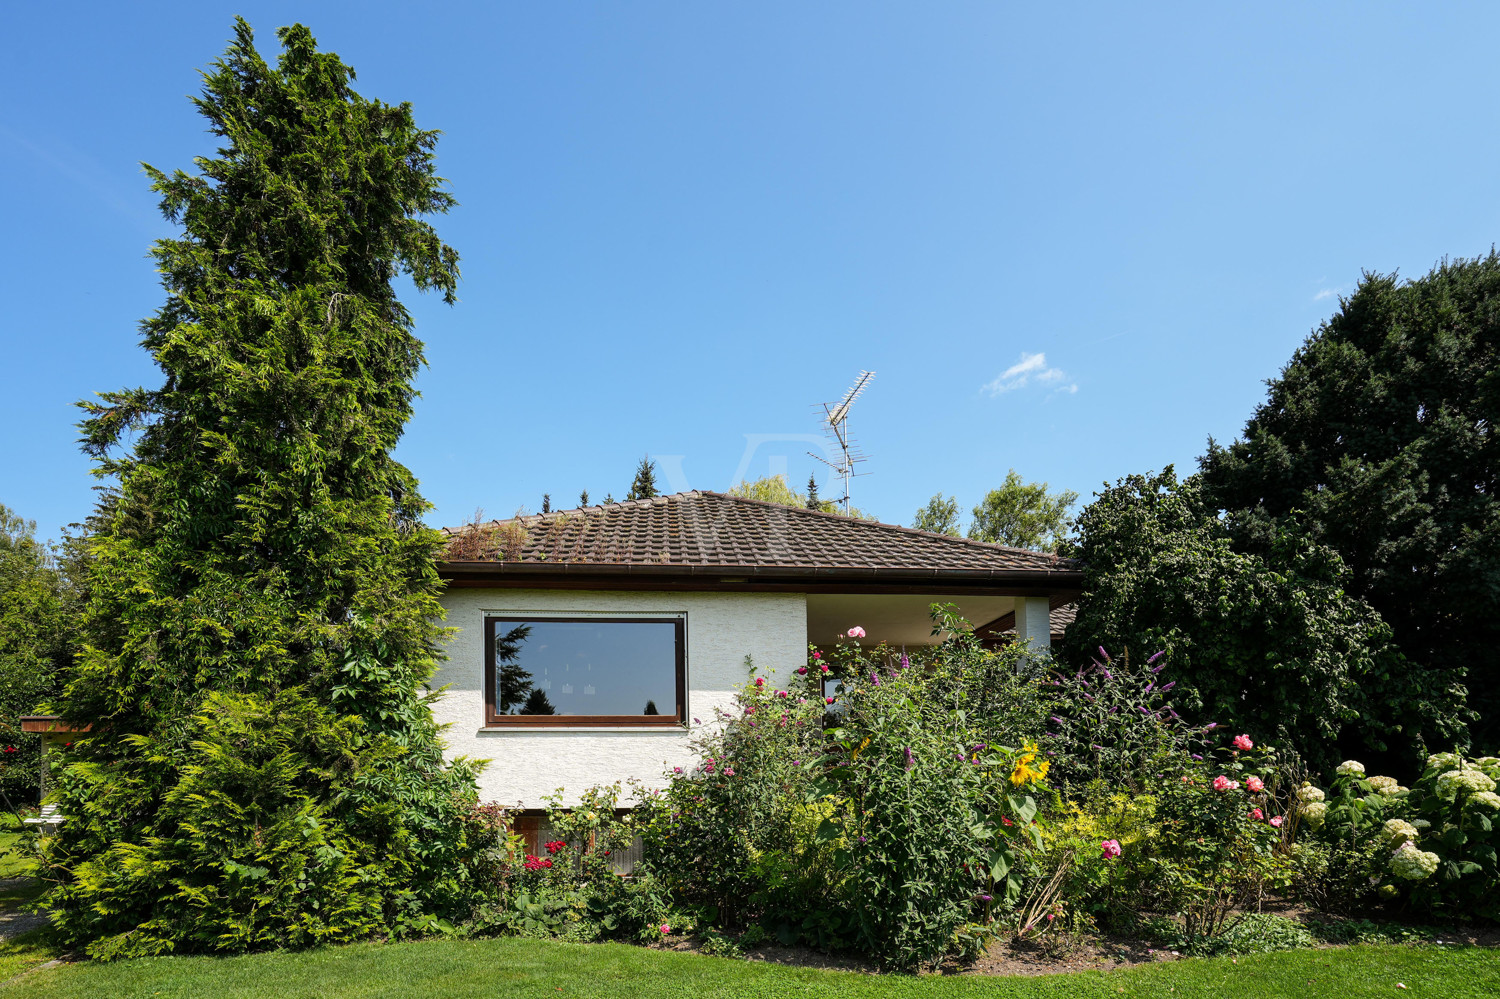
x: 968, y: 542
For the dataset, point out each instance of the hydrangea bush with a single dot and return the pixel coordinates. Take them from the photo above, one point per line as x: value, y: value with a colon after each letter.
x: 1431, y: 847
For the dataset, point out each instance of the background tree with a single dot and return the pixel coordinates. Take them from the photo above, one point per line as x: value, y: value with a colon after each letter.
x: 813, y: 503
x: 1379, y: 440
x: 644, y: 484
x: 774, y: 489
x: 583, y: 498
x: 1272, y: 644
x: 261, y: 620
x: 940, y: 516
x: 1023, y: 515
x: 546, y: 502
x: 36, y: 642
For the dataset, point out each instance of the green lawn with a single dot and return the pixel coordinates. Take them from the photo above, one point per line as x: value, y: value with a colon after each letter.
x: 12, y: 865
x: 513, y: 967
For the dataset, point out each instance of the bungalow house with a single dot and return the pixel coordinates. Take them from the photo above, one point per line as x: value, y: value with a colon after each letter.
x: 589, y: 645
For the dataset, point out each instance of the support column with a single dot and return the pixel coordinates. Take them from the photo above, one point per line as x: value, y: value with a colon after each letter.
x: 1034, y: 623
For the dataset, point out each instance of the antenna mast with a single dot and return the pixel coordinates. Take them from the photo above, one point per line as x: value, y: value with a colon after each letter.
x: 836, y: 424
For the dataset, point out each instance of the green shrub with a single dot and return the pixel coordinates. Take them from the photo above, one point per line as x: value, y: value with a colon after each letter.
x: 891, y: 821
x: 1431, y: 847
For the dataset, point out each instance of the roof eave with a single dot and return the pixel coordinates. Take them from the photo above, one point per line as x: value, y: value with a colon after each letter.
x: 512, y: 573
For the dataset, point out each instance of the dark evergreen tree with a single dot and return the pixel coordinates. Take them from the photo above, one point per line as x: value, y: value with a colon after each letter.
x: 812, y: 493
x: 515, y: 681
x: 538, y: 704
x: 1379, y: 440
x: 264, y: 769
x: 583, y: 498
x: 546, y: 502
x: 644, y: 485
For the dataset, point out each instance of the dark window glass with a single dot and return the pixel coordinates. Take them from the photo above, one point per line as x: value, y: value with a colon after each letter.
x: 594, y: 667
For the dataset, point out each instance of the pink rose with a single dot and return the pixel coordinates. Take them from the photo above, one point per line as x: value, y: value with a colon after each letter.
x: 1222, y: 783
x: 760, y: 681
x: 1276, y: 821
x: 856, y: 632
x: 729, y: 771
x: 1110, y: 848
x: 1255, y: 784
x: 827, y: 700
x: 1255, y: 813
x: 1243, y: 742
x: 665, y: 929
x: 782, y: 693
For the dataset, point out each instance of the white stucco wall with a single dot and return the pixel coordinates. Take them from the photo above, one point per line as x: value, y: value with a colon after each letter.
x: 721, y: 629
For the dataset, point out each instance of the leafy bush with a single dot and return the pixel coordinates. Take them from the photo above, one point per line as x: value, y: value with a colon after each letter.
x: 1114, y: 727
x: 889, y: 821
x: 1270, y: 640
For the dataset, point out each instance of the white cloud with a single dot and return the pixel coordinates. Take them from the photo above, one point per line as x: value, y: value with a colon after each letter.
x: 1325, y: 293
x: 1031, y: 367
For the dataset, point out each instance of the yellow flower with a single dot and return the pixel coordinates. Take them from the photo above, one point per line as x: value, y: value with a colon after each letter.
x: 1024, y: 772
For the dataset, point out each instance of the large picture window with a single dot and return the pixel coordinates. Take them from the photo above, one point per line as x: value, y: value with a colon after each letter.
x: 583, y: 671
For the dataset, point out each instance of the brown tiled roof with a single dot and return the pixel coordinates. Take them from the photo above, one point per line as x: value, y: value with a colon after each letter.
x: 716, y: 531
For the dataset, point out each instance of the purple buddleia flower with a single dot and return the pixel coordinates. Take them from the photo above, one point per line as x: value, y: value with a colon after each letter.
x: 905, y: 662
x: 1115, y: 710
x: 1142, y: 709
x: 1197, y: 757
x: 1056, y: 720
x: 1211, y: 726
x: 1108, y: 675
x: 1089, y: 698
x: 1169, y: 686
x: 1095, y: 745
x: 1156, y: 656
x: 1150, y: 687
x: 1104, y: 654
x: 875, y: 677
x: 910, y: 759
x: 1174, y: 714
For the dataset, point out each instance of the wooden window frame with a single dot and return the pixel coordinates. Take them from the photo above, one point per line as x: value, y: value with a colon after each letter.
x: 493, y: 720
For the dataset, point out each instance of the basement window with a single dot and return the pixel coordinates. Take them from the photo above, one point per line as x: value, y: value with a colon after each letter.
x: 559, y: 671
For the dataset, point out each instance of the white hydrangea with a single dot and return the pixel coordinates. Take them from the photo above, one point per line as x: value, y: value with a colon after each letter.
x: 1473, y: 781
x: 1398, y: 831
x: 1413, y: 864
x: 1352, y: 767
x: 1385, y: 785
x: 1307, y: 794
x: 1421, y: 824
x: 1315, y: 813
x: 1442, y: 761
x: 1487, y: 800
x: 1490, y: 765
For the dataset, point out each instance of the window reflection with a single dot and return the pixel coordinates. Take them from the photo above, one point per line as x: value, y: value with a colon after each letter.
x: 592, y: 667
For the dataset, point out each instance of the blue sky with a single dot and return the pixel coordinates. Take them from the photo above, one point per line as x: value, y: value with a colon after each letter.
x: 1070, y: 239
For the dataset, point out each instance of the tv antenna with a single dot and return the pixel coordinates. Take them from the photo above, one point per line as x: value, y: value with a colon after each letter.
x: 836, y: 424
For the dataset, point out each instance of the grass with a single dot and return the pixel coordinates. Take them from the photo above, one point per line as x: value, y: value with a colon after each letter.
x: 452, y: 969
x: 12, y: 864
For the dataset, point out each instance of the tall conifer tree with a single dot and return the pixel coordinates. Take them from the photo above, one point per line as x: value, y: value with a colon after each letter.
x: 644, y: 484
x: 264, y: 769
